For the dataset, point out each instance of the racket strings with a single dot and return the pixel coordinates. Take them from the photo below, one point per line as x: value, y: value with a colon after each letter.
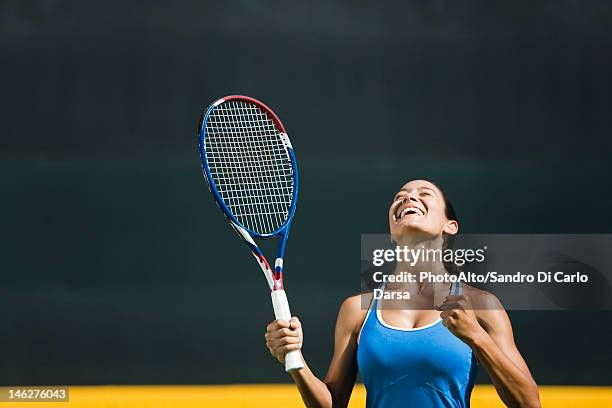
x: 250, y: 165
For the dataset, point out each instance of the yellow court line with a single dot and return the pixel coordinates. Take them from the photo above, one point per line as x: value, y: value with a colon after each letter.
x: 281, y: 395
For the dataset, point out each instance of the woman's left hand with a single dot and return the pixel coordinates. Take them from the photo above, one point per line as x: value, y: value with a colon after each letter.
x: 459, y: 317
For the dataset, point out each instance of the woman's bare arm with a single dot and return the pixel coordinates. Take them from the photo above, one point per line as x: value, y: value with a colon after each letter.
x: 498, y: 354
x: 490, y: 336
x: 336, y: 389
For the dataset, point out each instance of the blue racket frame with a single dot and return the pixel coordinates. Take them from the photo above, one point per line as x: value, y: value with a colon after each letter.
x: 274, y: 277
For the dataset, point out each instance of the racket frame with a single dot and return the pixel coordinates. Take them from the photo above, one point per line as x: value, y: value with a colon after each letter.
x: 274, y: 277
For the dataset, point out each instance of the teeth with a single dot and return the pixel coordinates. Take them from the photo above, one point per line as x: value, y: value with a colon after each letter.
x: 411, y: 209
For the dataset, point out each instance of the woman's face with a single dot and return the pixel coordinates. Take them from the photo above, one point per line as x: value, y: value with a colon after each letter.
x: 417, y: 213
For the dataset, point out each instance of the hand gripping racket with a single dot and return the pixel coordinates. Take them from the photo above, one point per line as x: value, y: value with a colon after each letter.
x: 252, y: 173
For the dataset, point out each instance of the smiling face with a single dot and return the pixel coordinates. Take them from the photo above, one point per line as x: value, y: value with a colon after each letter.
x: 418, y: 212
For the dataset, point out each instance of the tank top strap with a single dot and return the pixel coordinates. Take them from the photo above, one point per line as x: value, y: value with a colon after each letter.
x: 373, y: 307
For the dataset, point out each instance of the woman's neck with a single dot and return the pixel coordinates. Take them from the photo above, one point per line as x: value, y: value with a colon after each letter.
x: 416, y: 258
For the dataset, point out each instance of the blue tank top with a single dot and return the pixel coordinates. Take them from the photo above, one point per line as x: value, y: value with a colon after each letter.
x: 423, y: 367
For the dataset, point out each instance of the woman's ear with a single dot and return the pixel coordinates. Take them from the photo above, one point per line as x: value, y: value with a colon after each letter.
x: 451, y: 227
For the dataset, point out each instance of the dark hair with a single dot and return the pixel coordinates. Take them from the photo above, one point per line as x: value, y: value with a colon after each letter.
x: 449, y: 209
x: 449, y: 240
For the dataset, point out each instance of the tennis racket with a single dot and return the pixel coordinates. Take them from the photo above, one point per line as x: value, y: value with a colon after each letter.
x: 251, y: 170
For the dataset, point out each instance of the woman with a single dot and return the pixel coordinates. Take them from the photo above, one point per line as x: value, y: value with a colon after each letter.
x: 418, y: 355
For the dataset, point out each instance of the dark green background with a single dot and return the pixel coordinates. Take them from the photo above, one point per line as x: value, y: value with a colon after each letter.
x: 115, y: 265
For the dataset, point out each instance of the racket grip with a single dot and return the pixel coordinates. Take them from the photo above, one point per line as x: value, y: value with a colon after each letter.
x: 293, y: 359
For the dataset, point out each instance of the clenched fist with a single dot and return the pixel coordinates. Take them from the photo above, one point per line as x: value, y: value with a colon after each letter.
x: 283, y: 337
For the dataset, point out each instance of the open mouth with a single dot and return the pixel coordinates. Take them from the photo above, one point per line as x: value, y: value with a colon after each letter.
x: 408, y: 211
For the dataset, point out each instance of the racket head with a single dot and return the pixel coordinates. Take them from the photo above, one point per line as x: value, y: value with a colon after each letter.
x: 236, y: 135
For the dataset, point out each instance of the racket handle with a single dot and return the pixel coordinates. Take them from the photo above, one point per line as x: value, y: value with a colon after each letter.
x: 293, y: 359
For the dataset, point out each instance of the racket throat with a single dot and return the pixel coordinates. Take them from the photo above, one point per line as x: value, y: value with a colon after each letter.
x: 274, y: 277
x: 278, y: 274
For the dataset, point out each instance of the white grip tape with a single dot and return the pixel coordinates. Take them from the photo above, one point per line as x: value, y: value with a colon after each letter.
x: 293, y: 359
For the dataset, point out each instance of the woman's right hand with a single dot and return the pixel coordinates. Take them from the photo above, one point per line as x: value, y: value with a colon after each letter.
x: 283, y: 337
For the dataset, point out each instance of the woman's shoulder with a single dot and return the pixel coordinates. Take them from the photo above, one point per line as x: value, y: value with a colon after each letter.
x: 488, y: 308
x: 481, y: 299
x: 354, y: 309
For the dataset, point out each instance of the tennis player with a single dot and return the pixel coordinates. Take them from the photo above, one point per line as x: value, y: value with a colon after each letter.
x: 415, y: 356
